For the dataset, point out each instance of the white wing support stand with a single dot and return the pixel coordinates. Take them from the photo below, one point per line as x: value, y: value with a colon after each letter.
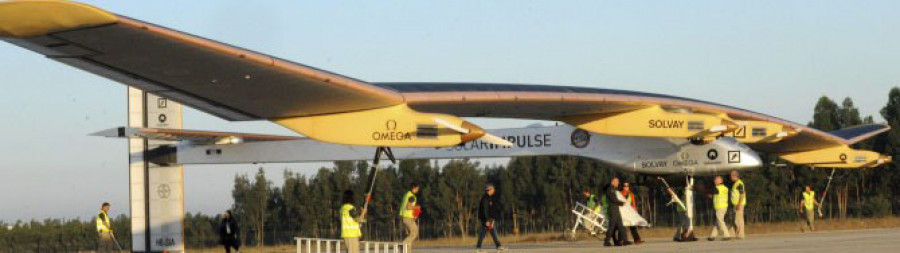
x: 689, y: 203
x: 156, y: 191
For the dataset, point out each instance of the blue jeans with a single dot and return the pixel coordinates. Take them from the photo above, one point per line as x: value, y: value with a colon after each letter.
x: 484, y: 230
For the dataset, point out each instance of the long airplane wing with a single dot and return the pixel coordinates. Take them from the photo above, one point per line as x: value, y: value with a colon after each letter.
x: 223, y: 80
x: 559, y: 102
x: 797, y: 143
x: 238, y: 84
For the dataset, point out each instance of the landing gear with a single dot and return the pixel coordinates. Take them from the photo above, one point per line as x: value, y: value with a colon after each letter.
x: 373, y: 172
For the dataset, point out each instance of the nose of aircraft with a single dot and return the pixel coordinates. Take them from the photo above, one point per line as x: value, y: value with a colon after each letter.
x: 750, y: 159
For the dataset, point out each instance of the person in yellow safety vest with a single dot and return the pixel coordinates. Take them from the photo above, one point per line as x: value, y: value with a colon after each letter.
x: 738, y: 201
x: 592, y: 202
x: 104, y: 229
x: 407, y: 208
x: 350, y: 230
x: 720, y: 203
x: 808, y: 205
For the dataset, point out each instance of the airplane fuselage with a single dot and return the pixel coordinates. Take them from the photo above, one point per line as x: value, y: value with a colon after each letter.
x: 643, y: 155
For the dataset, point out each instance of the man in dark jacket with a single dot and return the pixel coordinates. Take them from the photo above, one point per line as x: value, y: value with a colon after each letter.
x: 616, y: 229
x: 228, y: 233
x: 488, y: 213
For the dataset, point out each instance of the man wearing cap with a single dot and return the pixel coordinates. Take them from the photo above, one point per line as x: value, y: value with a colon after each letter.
x: 488, y: 213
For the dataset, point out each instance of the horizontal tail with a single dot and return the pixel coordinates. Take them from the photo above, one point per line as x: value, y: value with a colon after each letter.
x: 194, y: 136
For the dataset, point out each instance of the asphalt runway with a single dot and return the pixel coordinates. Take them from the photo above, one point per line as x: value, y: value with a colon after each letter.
x: 854, y: 241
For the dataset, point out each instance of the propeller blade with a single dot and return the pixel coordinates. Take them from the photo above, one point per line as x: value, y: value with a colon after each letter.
x: 496, y: 140
x: 447, y: 124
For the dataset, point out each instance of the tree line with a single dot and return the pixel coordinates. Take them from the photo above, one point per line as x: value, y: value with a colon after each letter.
x: 535, y: 194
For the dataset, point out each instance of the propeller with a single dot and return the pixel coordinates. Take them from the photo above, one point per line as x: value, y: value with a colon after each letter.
x: 472, y: 132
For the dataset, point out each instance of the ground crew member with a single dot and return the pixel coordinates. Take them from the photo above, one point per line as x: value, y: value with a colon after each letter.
x: 590, y: 200
x: 592, y: 203
x: 682, y: 225
x: 808, y: 205
x: 104, y: 229
x: 350, y: 230
x: 488, y: 213
x: 739, y: 201
x: 720, y: 203
x: 630, y: 200
x: 407, y: 207
x: 616, y: 229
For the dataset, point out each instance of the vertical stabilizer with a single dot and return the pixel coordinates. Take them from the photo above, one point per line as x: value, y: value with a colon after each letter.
x: 157, y: 192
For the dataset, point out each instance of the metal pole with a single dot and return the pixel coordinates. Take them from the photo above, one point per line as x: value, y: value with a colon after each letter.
x: 373, y: 172
x: 826, y: 191
x: 115, y: 240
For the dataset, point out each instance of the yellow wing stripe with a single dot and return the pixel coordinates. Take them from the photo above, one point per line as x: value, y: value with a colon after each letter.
x: 38, y: 17
x: 394, y: 126
x: 653, y: 121
x: 837, y: 157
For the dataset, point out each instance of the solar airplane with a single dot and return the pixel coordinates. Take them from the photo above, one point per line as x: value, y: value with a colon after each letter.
x: 342, y: 118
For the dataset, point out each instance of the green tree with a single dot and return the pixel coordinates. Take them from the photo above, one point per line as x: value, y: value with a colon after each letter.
x: 251, y: 201
x: 827, y: 115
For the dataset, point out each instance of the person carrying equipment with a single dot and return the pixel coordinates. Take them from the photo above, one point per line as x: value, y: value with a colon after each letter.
x: 683, y: 232
x: 720, y: 204
x: 104, y: 229
x: 408, y: 209
x: 592, y: 202
x: 350, y: 230
x: 630, y: 200
x: 808, y: 205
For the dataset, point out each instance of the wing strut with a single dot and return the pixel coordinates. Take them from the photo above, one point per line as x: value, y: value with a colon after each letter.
x: 825, y: 193
x: 373, y: 172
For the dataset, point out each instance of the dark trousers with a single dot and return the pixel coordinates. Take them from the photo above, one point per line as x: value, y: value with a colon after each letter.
x: 634, y: 234
x: 232, y: 243
x: 493, y: 231
x: 616, y: 230
x: 682, y: 228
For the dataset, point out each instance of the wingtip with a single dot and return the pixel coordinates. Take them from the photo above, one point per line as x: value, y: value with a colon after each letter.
x: 112, y: 132
x: 26, y: 18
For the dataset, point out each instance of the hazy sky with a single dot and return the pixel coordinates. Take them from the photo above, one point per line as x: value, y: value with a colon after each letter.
x: 774, y: 57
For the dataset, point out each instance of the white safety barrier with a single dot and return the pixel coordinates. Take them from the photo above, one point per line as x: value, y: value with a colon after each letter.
x: 320, y: 245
